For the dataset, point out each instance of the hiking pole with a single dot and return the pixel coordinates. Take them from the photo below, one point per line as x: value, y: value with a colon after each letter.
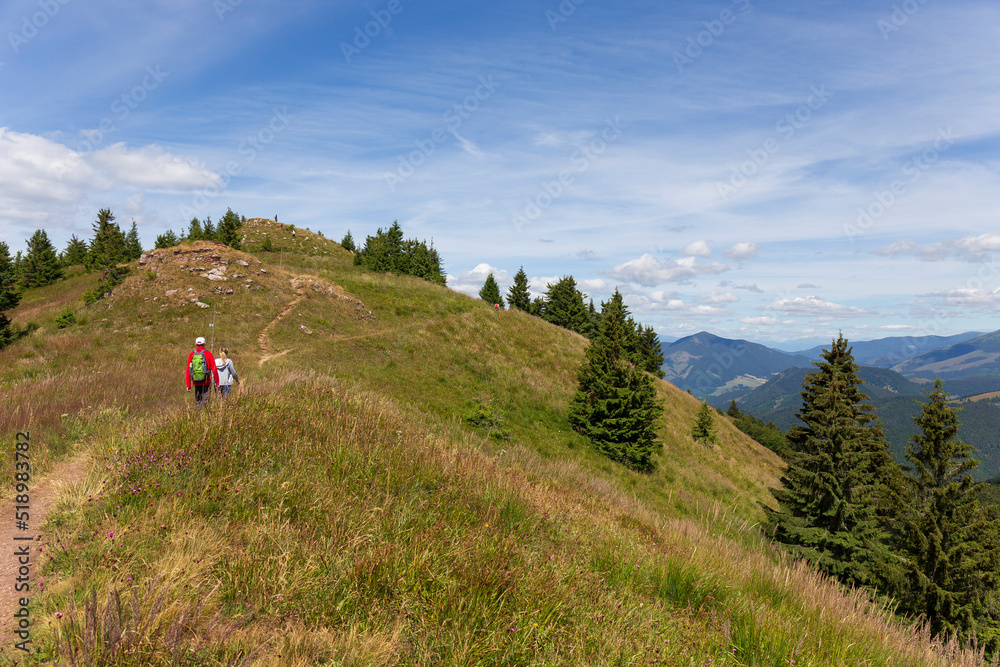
x: 212, y: 327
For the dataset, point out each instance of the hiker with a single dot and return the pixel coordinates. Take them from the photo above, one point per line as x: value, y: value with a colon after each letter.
x: 201, y: 372
x: 496, y: 307
x: 227, y: 372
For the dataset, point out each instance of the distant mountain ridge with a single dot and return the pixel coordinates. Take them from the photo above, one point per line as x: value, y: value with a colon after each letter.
x: 894, y: 350
x: 709, y: 365
x: 979, y: 355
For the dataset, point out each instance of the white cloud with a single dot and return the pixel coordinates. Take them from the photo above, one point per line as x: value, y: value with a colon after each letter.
x: 975, y: 299
x: 716, y: 298
x: 43, y: 182
x: 648, y: 271
x: 470, y: 282
x: 697, y: 249
x: 763, y: 319
x: 592, y: 285
x: 743, y: 250
x: 896, y: 248
x: 811, y: 306
x: 152, y: 167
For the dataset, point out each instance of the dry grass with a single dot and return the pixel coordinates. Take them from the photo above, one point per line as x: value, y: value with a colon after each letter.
x: 339, y: 511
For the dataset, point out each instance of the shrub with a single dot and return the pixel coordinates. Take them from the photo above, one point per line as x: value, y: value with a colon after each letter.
x: 66, y: 319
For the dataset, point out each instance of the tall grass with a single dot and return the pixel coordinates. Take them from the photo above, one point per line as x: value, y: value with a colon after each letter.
x: 340, y: 511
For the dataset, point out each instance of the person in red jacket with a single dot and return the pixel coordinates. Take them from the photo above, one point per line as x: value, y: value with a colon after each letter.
x: 202, y: 388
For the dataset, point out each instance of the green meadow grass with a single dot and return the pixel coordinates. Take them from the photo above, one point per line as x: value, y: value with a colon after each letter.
x: 340, y: 510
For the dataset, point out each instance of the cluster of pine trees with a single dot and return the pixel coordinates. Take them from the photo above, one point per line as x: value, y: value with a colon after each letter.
x: 563, y: 305
x: 917, y: 533
x: 615, y: 405
x: 226, y: 231
x: 389, y: 251
x: 109, y: 247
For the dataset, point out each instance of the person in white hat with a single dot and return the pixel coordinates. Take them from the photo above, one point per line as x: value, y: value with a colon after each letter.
x: 201, y: 372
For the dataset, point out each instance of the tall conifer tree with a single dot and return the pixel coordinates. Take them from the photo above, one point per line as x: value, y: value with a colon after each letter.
x: 518, y: 295
x: 490, y: 292
x: 133, y: 247
x: 10, y: 296
x: 615, y: 405
x: 833, y: 486
x: 228, y: 231
x: 107, y: 248
x: 75, y: 252
x: 564, y: 307
x: 195, y: 231
x: 40, y: 265
x: 949, y: 571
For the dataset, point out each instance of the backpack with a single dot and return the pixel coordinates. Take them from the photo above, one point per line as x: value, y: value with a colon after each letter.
x: 199, y: 367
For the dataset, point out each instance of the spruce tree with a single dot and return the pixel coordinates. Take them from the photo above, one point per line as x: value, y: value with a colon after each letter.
x: 948, y: 569
x: 836, y: 479
x: 107, y: 248
x: 733, y: 410
x: 564, y: 307
x: 347, y: 243
x: 228, y: 231
x: 195, y: 231
x: 167, y: 239
x: 40, y: 265
x: 208, y: 230
x: 518, y: 294
x: 10, y: 296
x: 133, y: 247
x: 615, y: 405
x: 75, y: 252
x: 651, y: 351
x: 490, y: 291
x: 704, y: 428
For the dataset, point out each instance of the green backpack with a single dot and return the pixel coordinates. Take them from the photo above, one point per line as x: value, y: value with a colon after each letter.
x: 199, y: 367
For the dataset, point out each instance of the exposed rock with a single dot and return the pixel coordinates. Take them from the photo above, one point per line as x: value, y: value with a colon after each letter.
x: 305, y: 329
x: 200, y: 304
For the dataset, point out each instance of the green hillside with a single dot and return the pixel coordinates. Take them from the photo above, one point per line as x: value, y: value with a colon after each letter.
x: 340, y: 509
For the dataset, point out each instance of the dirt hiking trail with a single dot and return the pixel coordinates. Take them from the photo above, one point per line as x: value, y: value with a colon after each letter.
x: 43, y: 493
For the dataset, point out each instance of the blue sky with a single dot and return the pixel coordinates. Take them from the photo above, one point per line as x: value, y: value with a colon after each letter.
x: 753, y: 169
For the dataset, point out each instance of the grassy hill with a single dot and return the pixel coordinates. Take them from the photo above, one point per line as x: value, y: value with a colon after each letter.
x: 340, y: 510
